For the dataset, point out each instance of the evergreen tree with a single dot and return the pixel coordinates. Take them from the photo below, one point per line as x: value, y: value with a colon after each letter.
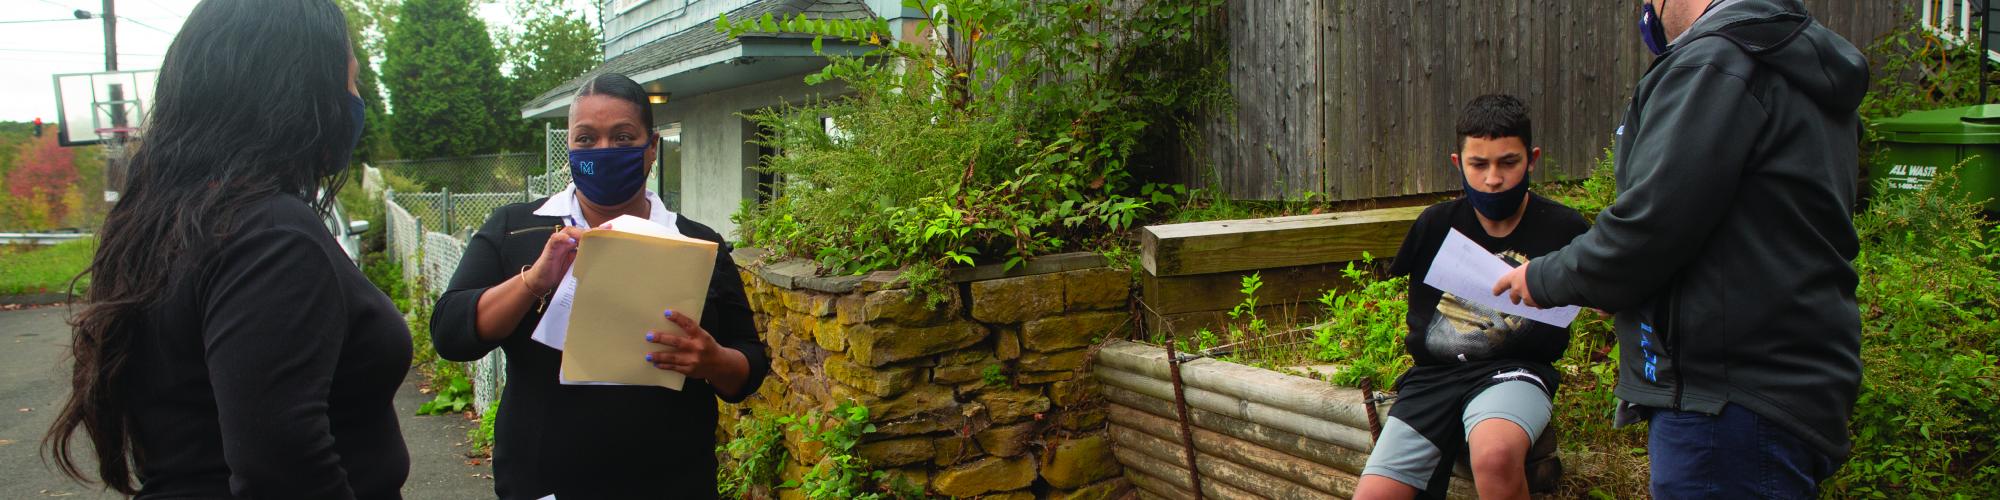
x: 444, y: 82
x: 556, y: 44
x: 363, y: 31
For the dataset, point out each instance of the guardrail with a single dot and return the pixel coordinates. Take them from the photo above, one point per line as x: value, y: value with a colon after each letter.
x: 39, y: 238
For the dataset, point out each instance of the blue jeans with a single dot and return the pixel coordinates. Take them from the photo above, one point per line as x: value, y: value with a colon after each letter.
x: 1734, y: 454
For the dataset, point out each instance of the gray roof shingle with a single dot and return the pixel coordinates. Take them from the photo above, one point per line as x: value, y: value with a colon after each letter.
x: 703, y: 39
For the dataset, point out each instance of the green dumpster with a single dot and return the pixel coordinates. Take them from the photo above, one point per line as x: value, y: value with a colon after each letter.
x: 1920, y: 144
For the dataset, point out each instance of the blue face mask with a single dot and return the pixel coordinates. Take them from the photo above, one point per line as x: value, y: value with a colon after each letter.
x: 357, y: 111
x: 608, y: 176
x: 1651, y: 31
x: 1501, y: 205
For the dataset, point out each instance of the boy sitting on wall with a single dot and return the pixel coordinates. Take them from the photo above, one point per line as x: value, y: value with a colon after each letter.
x: 1483, y: 381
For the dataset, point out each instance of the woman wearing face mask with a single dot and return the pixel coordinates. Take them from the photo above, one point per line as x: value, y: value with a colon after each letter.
x: 596, y: 441
x: 227, y: 347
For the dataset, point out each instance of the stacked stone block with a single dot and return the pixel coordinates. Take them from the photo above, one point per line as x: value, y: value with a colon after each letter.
x: 986, y: 395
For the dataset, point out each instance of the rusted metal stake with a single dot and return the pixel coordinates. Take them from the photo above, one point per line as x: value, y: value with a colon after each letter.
x: 1181, y: 408
x: 1368, y: 402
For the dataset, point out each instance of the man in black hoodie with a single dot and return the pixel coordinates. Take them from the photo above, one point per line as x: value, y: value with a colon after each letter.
x: 1726, y: 255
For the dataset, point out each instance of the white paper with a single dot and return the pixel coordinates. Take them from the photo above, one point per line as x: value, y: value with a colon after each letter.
x: 554, y: 326
x: 1465, y: 269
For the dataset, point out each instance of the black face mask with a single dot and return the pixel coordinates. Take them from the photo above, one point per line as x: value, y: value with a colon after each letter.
x: 1501, y: 205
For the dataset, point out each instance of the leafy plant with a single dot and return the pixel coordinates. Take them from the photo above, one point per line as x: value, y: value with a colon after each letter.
x: 1246, y: 310
x: 838, y: 473
x: 454, y: 391
x: 751, y: 459
x: 1016, y: 140
x: 1365, y: 326
x: 481, y: 437
x: 993, y: 376
x: 451, y: 387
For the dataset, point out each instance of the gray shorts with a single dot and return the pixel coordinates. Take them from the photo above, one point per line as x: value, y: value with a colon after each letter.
x: 1406, y: 456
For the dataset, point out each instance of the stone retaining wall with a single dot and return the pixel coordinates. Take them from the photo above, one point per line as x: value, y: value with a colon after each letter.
x: 986, y: 396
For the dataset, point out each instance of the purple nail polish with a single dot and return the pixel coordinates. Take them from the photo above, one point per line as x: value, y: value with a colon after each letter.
x: 649, y: 337
x: 669, y: 313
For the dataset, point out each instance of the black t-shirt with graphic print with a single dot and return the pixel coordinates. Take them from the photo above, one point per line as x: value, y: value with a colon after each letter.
x: 1435, y: 337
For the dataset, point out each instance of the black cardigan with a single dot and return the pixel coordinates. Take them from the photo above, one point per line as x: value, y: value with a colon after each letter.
x: 591, y: 441
x: 268, y: 370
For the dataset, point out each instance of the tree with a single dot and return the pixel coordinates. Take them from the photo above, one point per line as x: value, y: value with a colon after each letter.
x: 360, y: 23
x: 46, y: 174
x: 556, y: 44
x: 444, y: 81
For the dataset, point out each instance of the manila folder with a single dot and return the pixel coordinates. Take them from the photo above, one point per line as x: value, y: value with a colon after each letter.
x: 624, y: 283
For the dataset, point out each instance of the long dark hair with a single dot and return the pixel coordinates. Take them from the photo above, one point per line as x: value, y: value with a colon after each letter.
x: 251, y: 102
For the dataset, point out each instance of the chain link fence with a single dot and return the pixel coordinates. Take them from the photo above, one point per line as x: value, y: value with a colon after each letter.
x: 428, y: 229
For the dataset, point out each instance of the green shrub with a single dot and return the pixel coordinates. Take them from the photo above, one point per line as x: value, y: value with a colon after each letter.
x: 1592, y: 194
x: 1930, y: 312
x: 1020, y: 142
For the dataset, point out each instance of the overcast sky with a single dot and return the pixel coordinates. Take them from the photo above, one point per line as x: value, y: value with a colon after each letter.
x: 32, y: 53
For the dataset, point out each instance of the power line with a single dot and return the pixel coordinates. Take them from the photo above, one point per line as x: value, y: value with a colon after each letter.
x: 52, y: 2
x: 25, y: 21
x: 162, y: 8
x: 144, y: 25
x: 76, y: 52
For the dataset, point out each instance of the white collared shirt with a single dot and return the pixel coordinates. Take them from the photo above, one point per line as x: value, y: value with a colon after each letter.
x: 564, y: 204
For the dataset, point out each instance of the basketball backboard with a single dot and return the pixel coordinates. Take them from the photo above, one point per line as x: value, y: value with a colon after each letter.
x: 95, y: 107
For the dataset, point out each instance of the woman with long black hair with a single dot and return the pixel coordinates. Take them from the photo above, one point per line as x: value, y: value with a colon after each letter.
x: 227, y: 348
x: 596, y: 441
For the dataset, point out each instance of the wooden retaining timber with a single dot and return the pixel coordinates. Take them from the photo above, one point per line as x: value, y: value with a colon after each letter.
x: 1239, y: 245
x: 1174, y: 481
x: 1215, y: 468
x: 1278, y: 466
x: 1242, y: 391
x: 1256, y: 432
x: 1191, y: 267
x: 1316, y: 427
x: 1339, y: 458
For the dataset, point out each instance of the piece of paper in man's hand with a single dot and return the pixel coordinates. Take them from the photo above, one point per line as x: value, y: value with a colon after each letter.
x: 1467, y: 270
x: 626, y: 276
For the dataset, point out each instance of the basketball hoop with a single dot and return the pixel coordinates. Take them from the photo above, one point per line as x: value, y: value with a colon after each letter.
x: 108, y: 109
x: 100, y: 108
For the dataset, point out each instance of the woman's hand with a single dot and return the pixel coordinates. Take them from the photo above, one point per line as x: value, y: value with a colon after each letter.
x: 501, y: 308
x: 557, y: 255
x: 698, y: 355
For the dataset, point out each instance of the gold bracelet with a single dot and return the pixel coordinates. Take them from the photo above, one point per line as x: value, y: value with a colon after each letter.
x: 541, y: 298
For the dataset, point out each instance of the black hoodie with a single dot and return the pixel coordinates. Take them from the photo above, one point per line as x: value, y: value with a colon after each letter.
x: 1727, y: 253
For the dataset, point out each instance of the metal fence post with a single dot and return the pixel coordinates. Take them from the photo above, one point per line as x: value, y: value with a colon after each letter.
x: 447, y: 213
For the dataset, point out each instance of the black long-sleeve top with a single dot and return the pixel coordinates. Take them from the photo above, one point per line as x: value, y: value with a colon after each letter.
x: 591, y: 441
x: 269, y: 370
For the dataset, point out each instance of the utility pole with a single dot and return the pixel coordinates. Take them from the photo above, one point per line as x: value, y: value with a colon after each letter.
x: 114, y: 160
x: 110, y: 37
